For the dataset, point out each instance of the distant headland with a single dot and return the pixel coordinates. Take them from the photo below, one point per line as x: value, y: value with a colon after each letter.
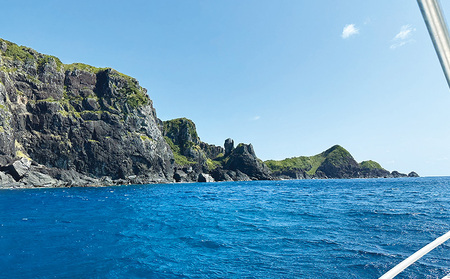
x: 77, y: 125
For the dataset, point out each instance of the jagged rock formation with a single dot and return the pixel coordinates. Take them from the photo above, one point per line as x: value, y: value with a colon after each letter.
x: 194, y: 158
x: 76, y: 123
x: 243, y: 158
x: 229, y: 146
x: 335, y: 162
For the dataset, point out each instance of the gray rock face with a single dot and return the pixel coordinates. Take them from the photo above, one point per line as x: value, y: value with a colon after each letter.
x: 203, y: 177
x: 243, y: 159
x: 6, y: 178
x: 96, y: 122
x: 3, y: 46
x: 229, y: 146
x: 211, y: 151
x: 374, y: 173
x: 19, y: 168
x: 37, y: 179
x: 220, y: 174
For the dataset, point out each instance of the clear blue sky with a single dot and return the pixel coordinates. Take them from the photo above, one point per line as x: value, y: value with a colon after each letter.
x: 291, y: 77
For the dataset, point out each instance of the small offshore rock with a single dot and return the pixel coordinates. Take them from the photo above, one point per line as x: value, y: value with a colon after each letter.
x: 413, y: 174
x: 397, y: 174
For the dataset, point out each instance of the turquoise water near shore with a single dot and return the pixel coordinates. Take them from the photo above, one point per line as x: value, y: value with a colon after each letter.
x: 262, y: 229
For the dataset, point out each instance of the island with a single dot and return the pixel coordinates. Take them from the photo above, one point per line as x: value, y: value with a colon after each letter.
x: 65, y: 125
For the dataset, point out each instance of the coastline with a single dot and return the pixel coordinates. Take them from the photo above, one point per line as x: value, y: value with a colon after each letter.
x: 75, y: 125
x: 102, y: 183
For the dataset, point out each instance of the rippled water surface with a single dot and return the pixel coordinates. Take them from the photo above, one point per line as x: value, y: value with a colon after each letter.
x: 282, y: 229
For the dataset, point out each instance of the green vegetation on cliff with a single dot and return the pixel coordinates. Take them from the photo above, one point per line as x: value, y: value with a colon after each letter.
x: 46, y: 59
x: 182, y: 129
x: 180, y: 159
x: 135, y: 95
x: 308, y: 164
x: 16, y: 52
x: 22, y: 53
x: 371, y: 165
x: 83, y: 67
x: 336, y: 156
x: 181, y: 135
x: 127, y: 87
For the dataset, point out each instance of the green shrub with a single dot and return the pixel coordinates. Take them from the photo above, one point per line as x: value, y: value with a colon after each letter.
x: 16, y: 52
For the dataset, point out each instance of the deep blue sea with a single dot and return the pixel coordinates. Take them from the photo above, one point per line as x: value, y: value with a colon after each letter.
x: 357, y: 228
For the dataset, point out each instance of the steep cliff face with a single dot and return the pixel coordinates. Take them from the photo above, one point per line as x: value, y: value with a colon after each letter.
x: 243, y: 158
x: 93, y: 121
x: 181, y: 135
x: 199, y: 161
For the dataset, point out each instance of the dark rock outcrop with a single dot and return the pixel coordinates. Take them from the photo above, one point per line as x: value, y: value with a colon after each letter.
x: 243, y: 159
x: 221, y: 174
x: 200, y: 158
x: 397, y: 174
x: 95, y: 122
x: 229, y: 146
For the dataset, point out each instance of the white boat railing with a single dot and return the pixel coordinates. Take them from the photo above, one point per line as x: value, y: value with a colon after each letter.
x: 434, y: 19
x: 414, y: 257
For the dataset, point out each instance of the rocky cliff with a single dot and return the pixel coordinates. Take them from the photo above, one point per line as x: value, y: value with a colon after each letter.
x: 76, y: 124
x: 199, y: 161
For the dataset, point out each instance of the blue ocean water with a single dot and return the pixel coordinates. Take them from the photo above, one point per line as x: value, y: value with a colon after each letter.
x: 271, y: 229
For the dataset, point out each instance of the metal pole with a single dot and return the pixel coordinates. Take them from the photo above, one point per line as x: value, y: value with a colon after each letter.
x: 434, y: 19
x: 414, y: 257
